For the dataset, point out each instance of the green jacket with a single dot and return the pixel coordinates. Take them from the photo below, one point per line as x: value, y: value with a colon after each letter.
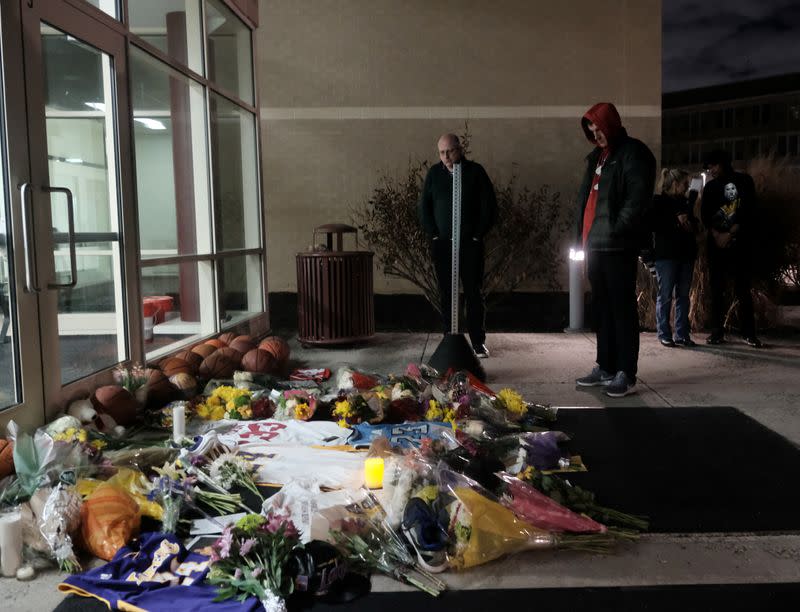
x: 478, y: 202
x: 624, y: 196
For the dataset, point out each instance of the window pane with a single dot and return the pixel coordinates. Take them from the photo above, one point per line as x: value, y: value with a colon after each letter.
x: 230, y: 56
x: 173, y: 26
x: 107, y: 6
x: 235, y: 175
x: 169, y: 118
x: 241, y: 295
x: 179, y: 313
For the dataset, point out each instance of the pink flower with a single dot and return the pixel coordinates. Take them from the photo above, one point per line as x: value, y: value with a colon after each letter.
x: 237, y: 575
x: 247, y: 546
x: 257, y: 572
x: 223, y: 546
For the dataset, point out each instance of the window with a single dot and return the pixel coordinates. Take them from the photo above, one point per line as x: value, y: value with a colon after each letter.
x: 766, y: 114
x: 791, y: 147
x: 174, y: 28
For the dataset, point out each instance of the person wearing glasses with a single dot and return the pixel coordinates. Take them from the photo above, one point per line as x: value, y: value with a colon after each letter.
x: 478, y: 214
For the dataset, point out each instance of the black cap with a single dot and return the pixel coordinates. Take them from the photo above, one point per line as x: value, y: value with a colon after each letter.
x: 717, y: 156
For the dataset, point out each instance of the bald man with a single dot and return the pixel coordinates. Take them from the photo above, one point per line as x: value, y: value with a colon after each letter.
x: 478, y: 212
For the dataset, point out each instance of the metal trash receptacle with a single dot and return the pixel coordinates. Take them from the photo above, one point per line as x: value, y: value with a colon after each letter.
x: 335, y: 303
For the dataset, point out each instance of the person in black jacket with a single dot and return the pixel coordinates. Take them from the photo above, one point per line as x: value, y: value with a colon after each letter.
x: 674, y: 251
x: 478, y: 212
x: 728, y: 213
x: 613, y: 200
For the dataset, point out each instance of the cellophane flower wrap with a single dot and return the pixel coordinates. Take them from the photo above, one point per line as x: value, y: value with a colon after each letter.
x: 254, y: 558
x: 362, y: 534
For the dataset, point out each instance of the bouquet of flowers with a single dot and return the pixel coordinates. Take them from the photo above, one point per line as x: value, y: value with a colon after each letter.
x: 134, y: 379
x: 230, y: 469
x: 254, y: 557
x: 362, y: 534
x: 297, y: 404
x: 355, y: 409
x: 226, y: 402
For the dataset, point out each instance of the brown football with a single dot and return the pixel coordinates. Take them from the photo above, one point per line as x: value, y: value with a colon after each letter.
x: 218, y: 365
x: 175, y: 365
x: 277, y: 346
x: 204, y: 350
x: 117, y: 402
x: 6, y: 457
x: 258, y: 360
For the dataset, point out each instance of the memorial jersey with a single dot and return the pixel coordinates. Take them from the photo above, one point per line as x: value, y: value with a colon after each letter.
x: 154, y: 574
x: 405, y: 435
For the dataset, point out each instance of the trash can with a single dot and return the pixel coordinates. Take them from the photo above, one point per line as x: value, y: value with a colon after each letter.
x: 334, y: 291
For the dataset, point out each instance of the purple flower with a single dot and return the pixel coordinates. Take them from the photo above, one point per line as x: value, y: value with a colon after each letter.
x: 223, y: 545
x: 198, y: 460
x: 247, y: 546
x: 237, y: 575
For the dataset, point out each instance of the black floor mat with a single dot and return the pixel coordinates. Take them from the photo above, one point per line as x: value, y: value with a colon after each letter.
x: 689, y: 469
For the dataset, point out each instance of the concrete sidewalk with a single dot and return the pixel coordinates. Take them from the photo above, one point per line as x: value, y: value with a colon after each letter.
x: 763, y: 383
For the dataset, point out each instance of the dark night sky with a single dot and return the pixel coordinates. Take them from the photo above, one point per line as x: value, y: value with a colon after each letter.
x: 708, y: 43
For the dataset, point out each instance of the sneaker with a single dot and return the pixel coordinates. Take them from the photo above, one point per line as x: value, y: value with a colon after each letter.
x: 597, y: 377
x: 481, y: 351
x: 715, y: 338
x: 685, y: 342
x: 667, y: 342
x: 621, y: 386
x: 753, y: 341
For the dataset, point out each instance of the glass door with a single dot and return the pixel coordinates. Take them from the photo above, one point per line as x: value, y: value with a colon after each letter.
x: 78, y: 134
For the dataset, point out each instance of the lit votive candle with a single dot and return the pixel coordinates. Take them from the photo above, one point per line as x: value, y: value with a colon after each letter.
x: 178, y: 423
x: 10, y: 543
x: 373, y: 472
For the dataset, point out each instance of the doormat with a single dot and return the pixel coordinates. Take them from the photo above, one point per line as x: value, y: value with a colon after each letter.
x: 688, y: 469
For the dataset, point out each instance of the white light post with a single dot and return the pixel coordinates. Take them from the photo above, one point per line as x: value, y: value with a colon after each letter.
x: 576, y: 259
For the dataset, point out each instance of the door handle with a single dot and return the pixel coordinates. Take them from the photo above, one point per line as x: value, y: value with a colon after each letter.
x: 73, y: 258
x: 31, y: 272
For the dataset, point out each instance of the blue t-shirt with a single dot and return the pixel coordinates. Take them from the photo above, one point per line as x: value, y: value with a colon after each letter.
x: 156, y: 575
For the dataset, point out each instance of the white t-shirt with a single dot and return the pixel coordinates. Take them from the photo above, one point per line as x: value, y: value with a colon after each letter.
x: 271, y: 431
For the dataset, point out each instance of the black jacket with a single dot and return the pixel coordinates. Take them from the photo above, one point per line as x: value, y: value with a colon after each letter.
x: 670, y: 240
x: 624, y: 196
x: 478, y: 201
x: 729, y: 200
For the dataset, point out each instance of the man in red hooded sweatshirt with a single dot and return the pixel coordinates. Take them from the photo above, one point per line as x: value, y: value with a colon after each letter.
x: 616, y: 191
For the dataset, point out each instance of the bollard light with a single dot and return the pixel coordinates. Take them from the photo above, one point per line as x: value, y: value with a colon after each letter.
x: 576, y: 259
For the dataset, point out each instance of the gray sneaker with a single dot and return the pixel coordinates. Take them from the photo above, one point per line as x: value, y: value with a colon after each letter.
x: 621, y: 386
x: 597, y: 378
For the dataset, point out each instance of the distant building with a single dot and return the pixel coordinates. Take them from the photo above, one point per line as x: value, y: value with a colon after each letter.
x: 748, y: 119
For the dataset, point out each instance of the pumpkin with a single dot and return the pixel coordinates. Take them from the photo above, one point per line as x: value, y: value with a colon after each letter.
x: 278, y: 347
x: 258, y: 360
x: 6, y: 457
x: 117, y: 402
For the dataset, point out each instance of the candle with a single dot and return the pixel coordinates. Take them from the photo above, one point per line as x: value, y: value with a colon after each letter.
x: 178, y: 423
x: 373, y: 472
x: 10, y: 543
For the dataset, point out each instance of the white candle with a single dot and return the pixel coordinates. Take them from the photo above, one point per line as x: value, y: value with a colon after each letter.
x: 10, y: 543
x: 178, y: 423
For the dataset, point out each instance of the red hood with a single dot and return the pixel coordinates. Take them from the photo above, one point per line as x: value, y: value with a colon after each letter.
x: 605, y: 116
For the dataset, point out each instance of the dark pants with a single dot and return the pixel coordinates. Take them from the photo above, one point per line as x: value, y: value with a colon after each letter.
x: 471, y: 265
x: 724, y: 264
x: 616, y: 317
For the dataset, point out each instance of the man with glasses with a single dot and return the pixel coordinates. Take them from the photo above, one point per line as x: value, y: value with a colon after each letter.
x: 478, y: 212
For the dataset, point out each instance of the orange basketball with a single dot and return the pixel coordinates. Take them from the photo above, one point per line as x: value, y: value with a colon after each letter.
x: 192, y: 358
x: 258, y: 360
x: 204, y: 350
x: 226, y: 338
x: 218, y: 365
x: 117, y: 402
x: 159, y: 390
x: 174, y: 365
x: 277, y: 346
x: 243, y: 344
x: 6, y: 457
x: 216, y: 343
x: 232, y: 354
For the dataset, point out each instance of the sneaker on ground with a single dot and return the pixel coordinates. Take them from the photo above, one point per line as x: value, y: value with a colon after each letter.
x: 597, y: 377
x: 481, y: 351
x: 667, y: 342
x: 621, y: 386
x: 685, y: 342
x: 753, y: 341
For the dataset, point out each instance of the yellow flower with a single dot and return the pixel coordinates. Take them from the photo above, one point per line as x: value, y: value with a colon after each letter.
x: 343, y: 409
x: 527, y: 473
x: 246, y: 412
x: 98, y: 444
x: 217, y: 413
x: 513, y: 401
x: 203, y: 411
x: 343, y: 423
x: 381, y: 393
x: 70, y: 432
x: 302, y: 412
x: 434, y: 412
x: 214, y: 400
x: 82, y: 436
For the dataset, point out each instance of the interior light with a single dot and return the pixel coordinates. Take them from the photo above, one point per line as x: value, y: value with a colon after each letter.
x: 150, y: 123
x: 576, y: 254
x: 73, y: 160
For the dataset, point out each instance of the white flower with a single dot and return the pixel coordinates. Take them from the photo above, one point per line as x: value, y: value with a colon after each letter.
x: 228, y: 469
x: 273, y: 603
